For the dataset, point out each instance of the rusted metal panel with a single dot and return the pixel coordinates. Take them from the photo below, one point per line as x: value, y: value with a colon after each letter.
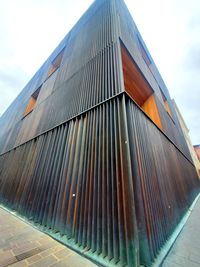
x: 100, y: 179
x: 76, y: 179
x: 87, y: 162
x: 165, y: 182
x: 90, y: 61
x: 90, y: 50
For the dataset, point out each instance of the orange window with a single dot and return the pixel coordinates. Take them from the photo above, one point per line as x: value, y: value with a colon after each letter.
x: 166, y: 104
x: 55, y: 64
x: 32, y: 102
x: 138, y: 88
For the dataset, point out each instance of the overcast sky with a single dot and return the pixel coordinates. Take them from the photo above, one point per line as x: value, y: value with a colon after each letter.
x: 30, y: 30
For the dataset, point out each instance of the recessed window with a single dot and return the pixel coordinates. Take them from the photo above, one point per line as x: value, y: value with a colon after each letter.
x: 32, y: 102
x: 166, y: 105
x: 55, y: 64
x: 138, y: 88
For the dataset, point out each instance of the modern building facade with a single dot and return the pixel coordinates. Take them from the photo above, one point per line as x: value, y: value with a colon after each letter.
x: 92, y: 150
x: 187, y: 138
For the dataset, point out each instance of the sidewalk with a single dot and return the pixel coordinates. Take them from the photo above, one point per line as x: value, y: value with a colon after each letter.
x: 22, y: 245
x: 186, y: 249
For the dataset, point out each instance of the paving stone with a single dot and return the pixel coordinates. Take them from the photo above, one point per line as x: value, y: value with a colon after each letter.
x: 9, y: 246
x: 24, y: 248
x: 28, y: 254
x: 45, y: 240
x: 19, y: 264
x: 51, y: 250
x: 6, y: 262
x: 61, y: 264
x: 186, y: 249
x: 34, y: 259
x: 46, y: 252
x: 63, y: 253
x: 74, y: 261
x: 23, y: 245
x: 177, y: 259
x: 58, y: 248
x: 45, y: 262
x: 4, y: 255
x: 195, y: 257
x: 190, y: 263
x: 170, y: 264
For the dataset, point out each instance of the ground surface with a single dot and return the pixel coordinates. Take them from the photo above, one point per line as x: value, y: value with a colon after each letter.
x: 22, y: 245
x: 186, y: 250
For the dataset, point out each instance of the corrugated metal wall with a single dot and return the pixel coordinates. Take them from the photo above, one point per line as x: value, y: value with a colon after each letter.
x: 165, y: 182
x: 87, y: 162
x: 83, y: 178
x: 131, y: 37
x: 75, y: 179
x: 91, y: 61
x: 90, y: 47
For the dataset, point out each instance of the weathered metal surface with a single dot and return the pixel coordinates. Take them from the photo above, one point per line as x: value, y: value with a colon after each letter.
x: 76, y: 179
x: 87, y: 162
x: 164, y: 179
x: 83, y: 178
x: 90, y: 73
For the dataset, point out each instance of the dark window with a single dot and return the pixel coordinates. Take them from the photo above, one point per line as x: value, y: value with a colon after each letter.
x: 55, y: 64
x: 166, y: 105
x: 32, y: 102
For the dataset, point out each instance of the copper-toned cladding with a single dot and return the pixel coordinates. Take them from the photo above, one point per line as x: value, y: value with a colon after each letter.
x: 87, y: 162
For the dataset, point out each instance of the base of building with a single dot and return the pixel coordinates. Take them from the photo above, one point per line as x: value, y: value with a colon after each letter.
x: 166, y: 248
x: 103, y: 261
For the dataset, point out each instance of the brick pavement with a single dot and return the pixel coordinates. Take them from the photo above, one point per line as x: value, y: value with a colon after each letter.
x: 186, y: 249
x: 23, y: 245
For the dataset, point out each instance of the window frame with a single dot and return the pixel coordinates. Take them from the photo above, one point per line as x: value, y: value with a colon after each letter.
x: 138, y: 88
x: 32, y: 102
x: 55, y: 63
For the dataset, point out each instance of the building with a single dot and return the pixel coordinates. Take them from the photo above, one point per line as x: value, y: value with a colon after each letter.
x: 185, y: 131
x: 91, y: 149
x: 197, y: 150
